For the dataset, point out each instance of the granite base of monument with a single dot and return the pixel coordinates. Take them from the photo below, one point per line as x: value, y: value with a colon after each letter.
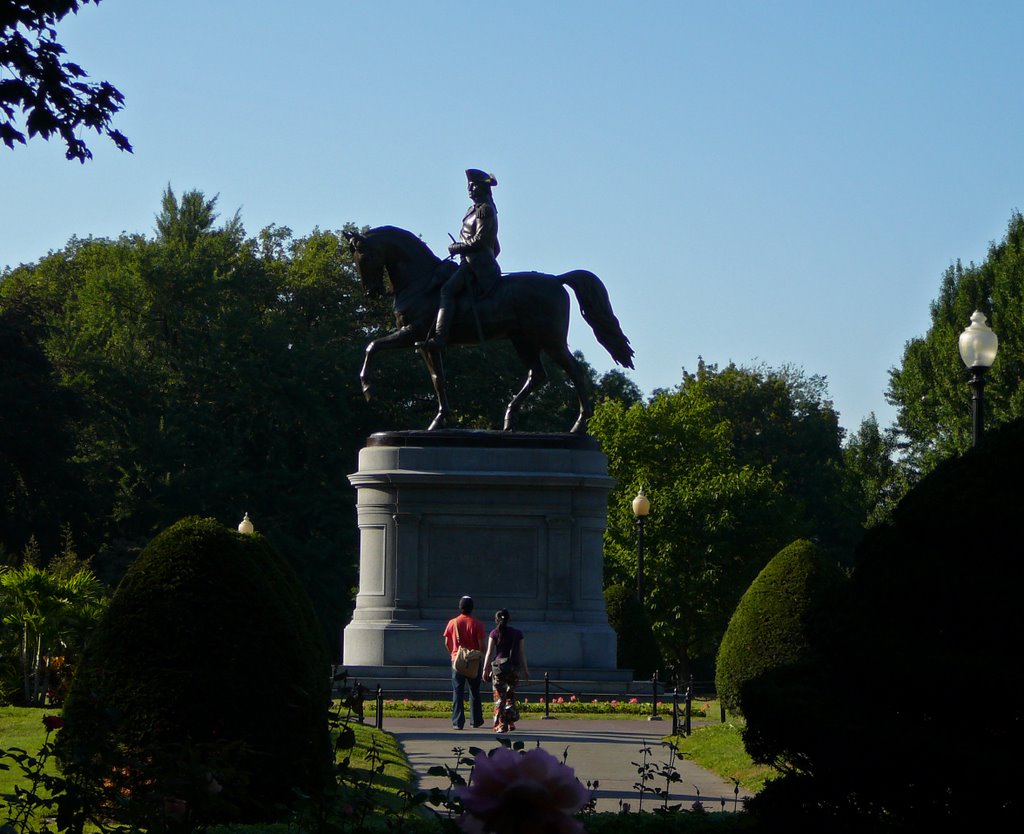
x: 514, y: 520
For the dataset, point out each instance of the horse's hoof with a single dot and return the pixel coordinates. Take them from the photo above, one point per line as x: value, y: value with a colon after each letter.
x: 579, y: 427
x: 366, y: 393
x: 440, y: 422
x: 510, y: 423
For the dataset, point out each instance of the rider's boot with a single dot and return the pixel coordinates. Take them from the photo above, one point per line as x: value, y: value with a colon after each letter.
x: 442, y: 327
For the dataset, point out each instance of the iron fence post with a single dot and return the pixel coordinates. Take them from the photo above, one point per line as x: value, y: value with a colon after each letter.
x: 654, y: 698
x: 689, y: 707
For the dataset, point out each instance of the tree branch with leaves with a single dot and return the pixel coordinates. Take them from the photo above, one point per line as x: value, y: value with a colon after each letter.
x: 52, y: 94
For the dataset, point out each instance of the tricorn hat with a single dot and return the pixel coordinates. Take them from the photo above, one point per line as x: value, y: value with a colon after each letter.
x: 476, y: 175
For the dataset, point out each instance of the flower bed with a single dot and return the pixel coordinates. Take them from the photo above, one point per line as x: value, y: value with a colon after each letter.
x: 560, y: 705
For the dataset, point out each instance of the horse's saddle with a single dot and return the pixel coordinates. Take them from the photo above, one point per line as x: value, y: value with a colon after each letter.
x: 489, y: 296
x: 492, y: 307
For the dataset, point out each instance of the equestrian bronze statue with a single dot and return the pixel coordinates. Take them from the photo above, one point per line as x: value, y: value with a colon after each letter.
x: 438, y: 302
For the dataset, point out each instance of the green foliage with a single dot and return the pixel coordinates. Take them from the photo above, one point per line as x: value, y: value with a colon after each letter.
x: 48, y: 614
x: 203, y: 372
x: 930, y: 390
x: 213, y: 375
x: 636, y: 647
x: 736, y: 463
x: 932, y: 603
x: 51, y: 93
x: 40, y: 484
x: 769, y: 627
x: 207, y: 666
x: 876, y: 481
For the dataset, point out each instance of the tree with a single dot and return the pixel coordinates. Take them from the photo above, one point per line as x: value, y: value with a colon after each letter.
x: 51, y: 611
x: 929, y: 389
x: 876, y: 482
x: 731, y: 461
x: 214, y: 375
x: 925, y: 609
x: 51, y: 93
x: 40, y: 484
x: 615, y: 385
x: 783, y: 419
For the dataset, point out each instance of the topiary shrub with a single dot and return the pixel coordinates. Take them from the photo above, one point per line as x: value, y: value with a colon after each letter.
x: 636, y: 647
x: 769, y: 627
x: 206, y: 684
x: 876, y: 732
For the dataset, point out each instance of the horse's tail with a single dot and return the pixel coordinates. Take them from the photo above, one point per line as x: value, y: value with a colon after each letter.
x: 597, y: 311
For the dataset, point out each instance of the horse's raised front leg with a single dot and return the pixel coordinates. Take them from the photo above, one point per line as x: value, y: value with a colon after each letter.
x: 563, y: 356
x: 435, y: 364
x: 403, y: 337
x: 534, y: 380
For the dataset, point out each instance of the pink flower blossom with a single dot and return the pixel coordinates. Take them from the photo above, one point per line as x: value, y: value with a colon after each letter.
x: 521, y: 793
x: 633, y: 701
x: 615, y: 703
x: 594, y: 701
x: 559, y: 700
x: 572, y: 699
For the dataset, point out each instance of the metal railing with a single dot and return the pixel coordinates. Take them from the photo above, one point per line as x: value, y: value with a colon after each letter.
x: 678, y: 704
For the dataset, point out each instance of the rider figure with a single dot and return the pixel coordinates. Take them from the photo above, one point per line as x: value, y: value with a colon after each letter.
x: 478, y: 250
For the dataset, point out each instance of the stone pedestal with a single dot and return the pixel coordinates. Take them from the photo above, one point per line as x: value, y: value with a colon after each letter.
x: 514, y: 520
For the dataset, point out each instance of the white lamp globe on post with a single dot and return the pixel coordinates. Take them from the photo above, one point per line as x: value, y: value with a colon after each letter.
x: 245, y: 526
x: 978, y: 346
x: 641, y: 508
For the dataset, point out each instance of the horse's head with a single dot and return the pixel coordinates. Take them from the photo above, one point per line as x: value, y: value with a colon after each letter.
x: 369, y: 259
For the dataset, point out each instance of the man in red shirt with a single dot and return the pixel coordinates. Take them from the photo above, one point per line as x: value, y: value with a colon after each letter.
x: 465, y: 631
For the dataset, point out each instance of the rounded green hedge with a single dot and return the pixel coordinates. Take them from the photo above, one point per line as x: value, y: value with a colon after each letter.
x: 768, y: 629
x: 207, y: 682
x: 874, y: 732
x: 636, y: 647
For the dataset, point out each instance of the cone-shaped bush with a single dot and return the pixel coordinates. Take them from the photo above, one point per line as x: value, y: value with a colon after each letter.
x: 769, y: 627
x: 869, y: 733
x: 206, y: 683
x: 636, y: 647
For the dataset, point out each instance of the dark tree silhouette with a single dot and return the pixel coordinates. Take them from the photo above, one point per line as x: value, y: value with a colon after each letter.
x: 52, y: 94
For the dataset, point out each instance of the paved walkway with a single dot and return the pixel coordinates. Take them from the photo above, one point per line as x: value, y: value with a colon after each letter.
x: 599, y: 750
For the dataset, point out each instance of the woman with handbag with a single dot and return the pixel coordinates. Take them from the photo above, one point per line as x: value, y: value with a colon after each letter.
x: 504, y: 664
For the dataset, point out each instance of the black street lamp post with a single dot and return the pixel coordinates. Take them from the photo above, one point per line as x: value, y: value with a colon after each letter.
x: 978, y: 346
x: 641, y: 507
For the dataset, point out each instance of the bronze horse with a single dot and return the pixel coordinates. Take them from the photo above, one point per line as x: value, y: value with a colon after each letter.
x: 529, y: 309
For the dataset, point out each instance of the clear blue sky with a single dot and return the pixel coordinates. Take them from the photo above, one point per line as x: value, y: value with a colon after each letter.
x: 778, y: 182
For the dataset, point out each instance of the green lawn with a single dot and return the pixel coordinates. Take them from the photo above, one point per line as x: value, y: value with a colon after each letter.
x: 23, y: 728
x: 20, y: 728
x: 719, y: 748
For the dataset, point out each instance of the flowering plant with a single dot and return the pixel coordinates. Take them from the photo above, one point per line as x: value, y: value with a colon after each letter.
x: 521, y: 793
